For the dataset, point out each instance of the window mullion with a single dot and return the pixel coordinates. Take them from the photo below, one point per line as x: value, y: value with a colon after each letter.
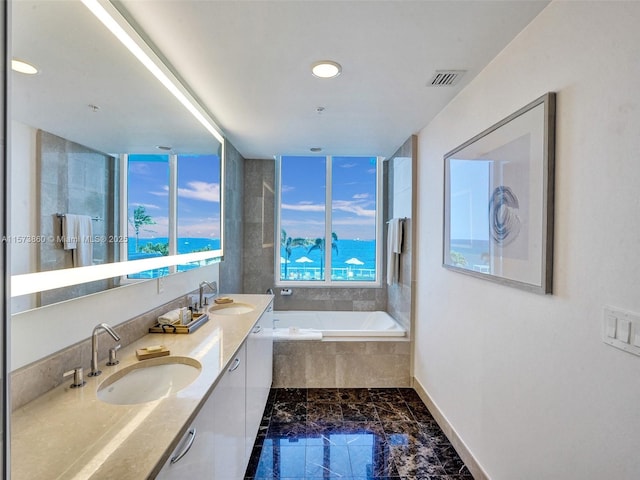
x: 328, y: 239
x: 173, y: 203
x: 123, y: 206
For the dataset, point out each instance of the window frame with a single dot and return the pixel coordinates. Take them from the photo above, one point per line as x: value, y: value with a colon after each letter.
x: 328, y: 253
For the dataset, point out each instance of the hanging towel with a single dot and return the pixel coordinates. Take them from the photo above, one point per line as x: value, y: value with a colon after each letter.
x: 69, y: 228
x: 394, y: 249
x: 83, y: 254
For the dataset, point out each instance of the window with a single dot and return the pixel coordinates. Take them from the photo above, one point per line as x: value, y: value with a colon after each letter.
x: 329, y: 220
x: 167, y: 217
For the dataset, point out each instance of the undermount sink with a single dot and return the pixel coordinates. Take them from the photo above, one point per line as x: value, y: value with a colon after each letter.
x: 232, y: 308
x: 149, y: 380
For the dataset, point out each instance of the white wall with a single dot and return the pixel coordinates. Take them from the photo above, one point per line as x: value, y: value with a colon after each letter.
x: 23, y: 184
x: 402, y: 187
x: 525, y: 379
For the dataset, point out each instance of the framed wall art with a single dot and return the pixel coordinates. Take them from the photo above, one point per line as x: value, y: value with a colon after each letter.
x: 498, y: 200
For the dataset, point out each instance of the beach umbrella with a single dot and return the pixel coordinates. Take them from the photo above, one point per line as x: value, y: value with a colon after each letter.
x: 354, y: 261
x: 304, y: 260
x: 283, y: 260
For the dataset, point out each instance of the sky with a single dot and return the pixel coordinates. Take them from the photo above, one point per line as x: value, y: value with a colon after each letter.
x: 198, y: 194
x: 303, y: 182
x: 303, y: 195
x: 470, y: 182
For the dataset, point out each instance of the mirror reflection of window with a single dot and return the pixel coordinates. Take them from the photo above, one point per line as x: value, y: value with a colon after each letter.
x: 148, y: 206
x: 198, y: 205
x: 198, y: 221
x: 149, y: 210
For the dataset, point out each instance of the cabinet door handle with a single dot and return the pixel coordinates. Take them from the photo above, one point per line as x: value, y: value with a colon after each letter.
x: 187, y: 447
x: 236, y: 364
x: 257, y: 329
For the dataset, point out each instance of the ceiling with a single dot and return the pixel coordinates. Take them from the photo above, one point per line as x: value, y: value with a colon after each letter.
x: 248, y: 62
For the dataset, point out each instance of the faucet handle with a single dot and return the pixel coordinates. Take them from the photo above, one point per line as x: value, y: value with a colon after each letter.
x: 78, y: 377
x: 112, y: 355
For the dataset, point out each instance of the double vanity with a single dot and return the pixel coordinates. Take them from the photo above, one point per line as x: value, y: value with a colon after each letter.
x: 194, y: 412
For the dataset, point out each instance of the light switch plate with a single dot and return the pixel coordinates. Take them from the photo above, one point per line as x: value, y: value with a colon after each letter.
x: 621, y: 329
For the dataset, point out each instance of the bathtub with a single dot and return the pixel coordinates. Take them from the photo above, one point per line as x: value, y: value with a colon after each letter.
x: 335, y: 326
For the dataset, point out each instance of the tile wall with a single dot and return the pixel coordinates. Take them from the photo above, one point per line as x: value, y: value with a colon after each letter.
x: 74, y: 179
x: 231, y: 267
x: 322, y: 364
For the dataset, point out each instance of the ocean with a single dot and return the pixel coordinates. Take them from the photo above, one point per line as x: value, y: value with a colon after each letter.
x: 354, y: 251
x: 185, y: 245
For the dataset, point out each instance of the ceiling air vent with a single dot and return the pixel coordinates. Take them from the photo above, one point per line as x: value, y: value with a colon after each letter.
x: 445, y: 78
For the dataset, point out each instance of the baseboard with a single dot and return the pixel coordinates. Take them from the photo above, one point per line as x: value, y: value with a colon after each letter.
x: 463, y: 451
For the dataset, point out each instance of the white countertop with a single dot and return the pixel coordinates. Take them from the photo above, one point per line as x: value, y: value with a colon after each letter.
x: 69, y: 433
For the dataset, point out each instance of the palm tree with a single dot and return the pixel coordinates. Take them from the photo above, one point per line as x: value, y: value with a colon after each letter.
x: 318, y: 244
x: 289, y: 243
x: 140, y: 218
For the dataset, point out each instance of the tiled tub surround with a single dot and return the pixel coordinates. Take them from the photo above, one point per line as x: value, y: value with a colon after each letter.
x: 328, y: 364
x: 69, y: 433
x: 351, y: 434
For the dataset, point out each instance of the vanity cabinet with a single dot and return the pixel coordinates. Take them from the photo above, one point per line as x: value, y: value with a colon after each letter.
x: 192, y: 457
x: 227, y: 424
x: 259, y: 374
x: 229, y: 421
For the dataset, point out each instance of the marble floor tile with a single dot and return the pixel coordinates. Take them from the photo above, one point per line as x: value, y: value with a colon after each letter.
x: 323, y: 395
x: 289, y: 412
x: 324, y: 412
x: 354, y: 395
x: 351, y: 434
x: 394, y: 412
x: 392, y: 395
x: 359, y: 412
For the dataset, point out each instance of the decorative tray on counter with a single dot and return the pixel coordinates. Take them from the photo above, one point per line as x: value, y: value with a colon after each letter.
x: 198, y: 320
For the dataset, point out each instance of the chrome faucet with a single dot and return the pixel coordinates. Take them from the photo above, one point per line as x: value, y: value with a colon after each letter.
x: 213, y: 287
x: 94, y: 346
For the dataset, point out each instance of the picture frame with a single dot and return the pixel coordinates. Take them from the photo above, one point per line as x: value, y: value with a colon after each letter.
x: 499, y: 200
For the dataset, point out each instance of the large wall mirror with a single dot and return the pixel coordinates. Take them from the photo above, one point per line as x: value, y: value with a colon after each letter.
x: 108, y: 168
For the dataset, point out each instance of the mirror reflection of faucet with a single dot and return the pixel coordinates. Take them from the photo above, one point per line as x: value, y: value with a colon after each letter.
x: 203, y: 301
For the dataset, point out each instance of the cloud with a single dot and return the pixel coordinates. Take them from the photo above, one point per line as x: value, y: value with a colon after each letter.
x: 360, y: 196
x: 148, y: 206
x: 139, y: 168
x: 207, y: 192
x: 353, y: 207
x: 303, y: 207
x: 348, y: 165
x: 163, y: 193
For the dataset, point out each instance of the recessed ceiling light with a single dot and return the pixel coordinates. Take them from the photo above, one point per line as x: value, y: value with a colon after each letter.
x: 316, y: 149
x: 21, y: 66
x: 326, y: 69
